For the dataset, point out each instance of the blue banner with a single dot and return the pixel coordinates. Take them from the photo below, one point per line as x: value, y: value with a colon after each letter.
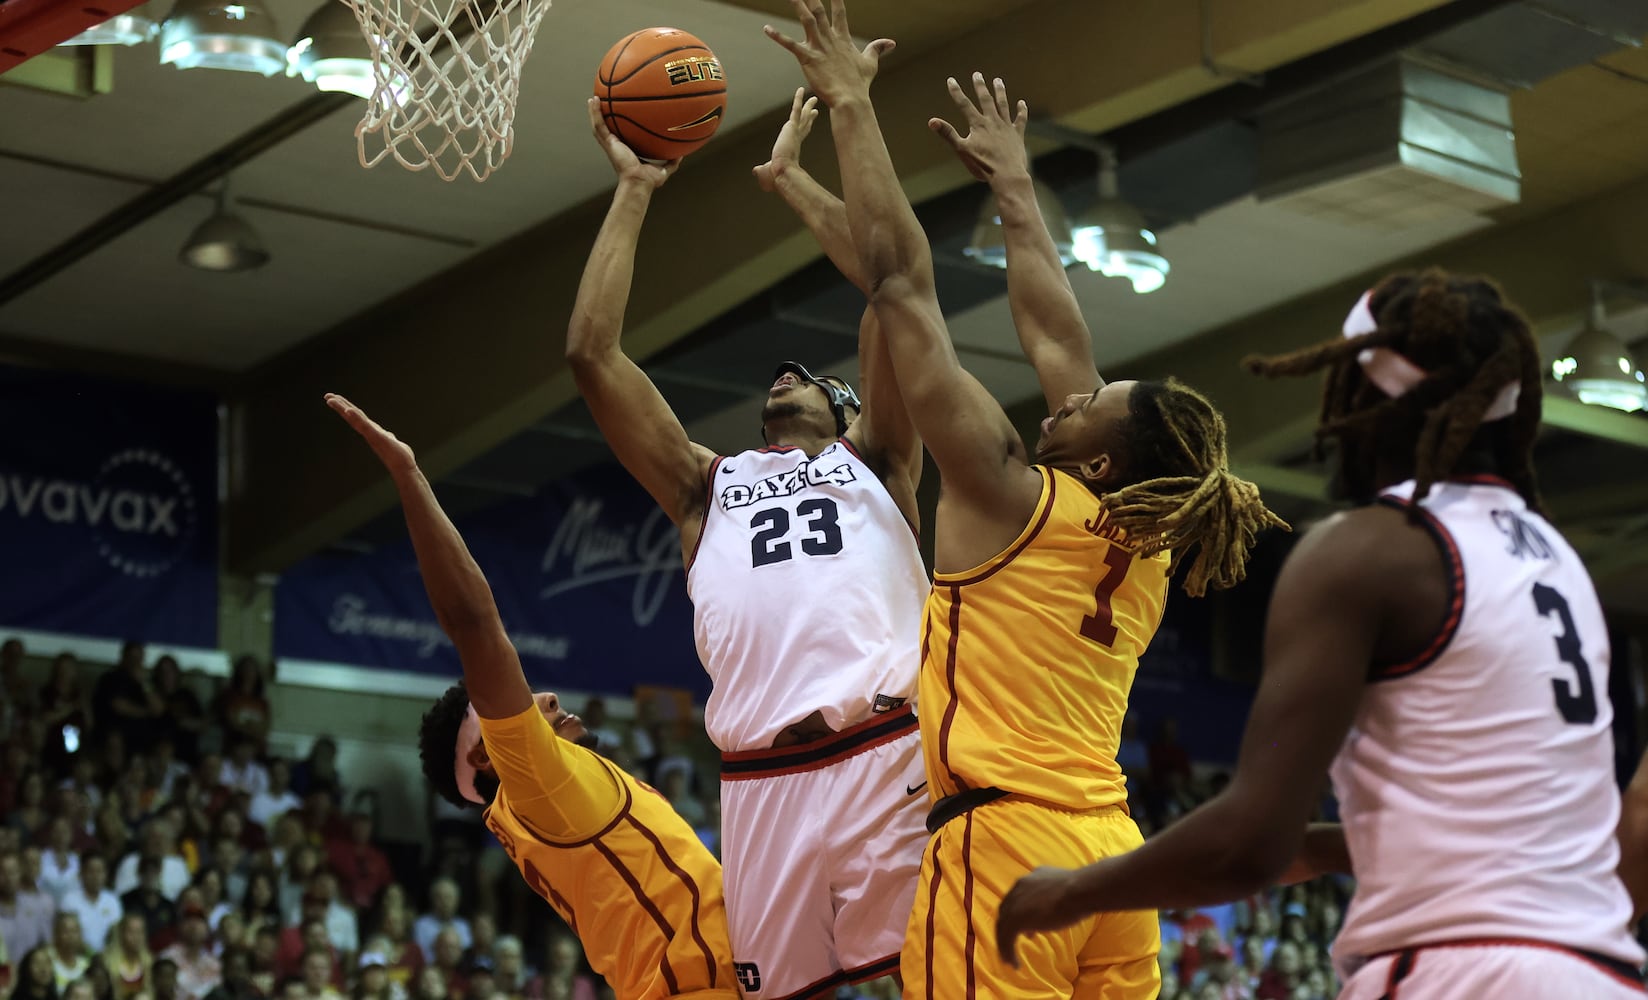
x: 587, y: 576
x: 108, y: 509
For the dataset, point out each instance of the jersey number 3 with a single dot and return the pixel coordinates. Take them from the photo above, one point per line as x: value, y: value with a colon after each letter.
x: 823, y: 536
x: 1577, y: 707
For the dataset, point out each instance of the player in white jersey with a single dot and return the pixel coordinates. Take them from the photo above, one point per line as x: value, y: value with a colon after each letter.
x: 1443, y: 647
x: 807, y: 587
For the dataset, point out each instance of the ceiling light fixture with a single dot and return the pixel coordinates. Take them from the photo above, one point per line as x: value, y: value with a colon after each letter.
x: 213, y: 34
x: 989, y: 244
x: 332, y: 54
x: 1598, y: 368
x: 225, y: 241
x: 134, y: 27
x: 1112, y: 237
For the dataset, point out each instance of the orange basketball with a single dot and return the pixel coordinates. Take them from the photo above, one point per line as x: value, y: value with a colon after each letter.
x: 662, y: 92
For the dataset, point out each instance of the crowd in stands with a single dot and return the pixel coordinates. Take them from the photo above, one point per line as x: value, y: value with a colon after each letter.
x: 154, y: 849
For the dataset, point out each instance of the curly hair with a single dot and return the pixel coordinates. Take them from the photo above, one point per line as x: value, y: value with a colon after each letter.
x: 438, y: 741
x: 1183, y: 495
x: 1470, y: 341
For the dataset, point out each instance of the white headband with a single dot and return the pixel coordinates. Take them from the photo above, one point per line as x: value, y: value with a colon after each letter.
x: 1396, y: 375
x: 469, y: 735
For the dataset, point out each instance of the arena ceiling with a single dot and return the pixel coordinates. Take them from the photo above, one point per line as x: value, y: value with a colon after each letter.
x: 442, y: 307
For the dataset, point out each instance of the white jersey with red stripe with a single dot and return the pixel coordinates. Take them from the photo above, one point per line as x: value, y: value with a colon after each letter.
x: 1476, y: 785
x: 807, y: 588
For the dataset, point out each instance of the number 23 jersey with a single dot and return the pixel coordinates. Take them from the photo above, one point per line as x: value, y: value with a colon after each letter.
x: 1476, y: 784
x: 806, y: 587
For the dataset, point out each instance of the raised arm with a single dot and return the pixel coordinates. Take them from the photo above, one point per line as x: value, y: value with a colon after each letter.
x: 883, y: 433
x: 638, y: 424
x: 1048, y: 319
x: 976, y: 448
x: 457, y: 591
x: 1633, y: 840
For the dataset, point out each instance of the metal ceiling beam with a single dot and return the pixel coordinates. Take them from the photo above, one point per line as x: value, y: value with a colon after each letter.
x: 456, y: 378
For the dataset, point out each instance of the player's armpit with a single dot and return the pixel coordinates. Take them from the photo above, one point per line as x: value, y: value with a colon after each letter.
x: 560, y: 791
x: 1323, y: 852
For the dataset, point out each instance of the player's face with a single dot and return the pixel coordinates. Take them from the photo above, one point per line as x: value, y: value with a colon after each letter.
x: 1086, y: 430
x: 793, y: 397
x: 566, y: 725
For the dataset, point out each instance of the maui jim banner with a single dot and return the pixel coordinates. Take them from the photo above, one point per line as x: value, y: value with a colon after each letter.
x: 587, y: 576
x: 108, y: 509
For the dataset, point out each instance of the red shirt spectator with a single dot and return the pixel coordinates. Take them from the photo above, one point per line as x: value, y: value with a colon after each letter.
x: 361, y: 866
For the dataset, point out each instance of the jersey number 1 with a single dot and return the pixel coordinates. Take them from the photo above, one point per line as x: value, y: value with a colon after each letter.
x: 1098, y: 626
x: 1576, y: 707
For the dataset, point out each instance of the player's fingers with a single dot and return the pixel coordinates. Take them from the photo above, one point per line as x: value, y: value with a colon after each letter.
x: 796, y: 102
x: 1003, y: 105
x: 790, y: 45
x: 838, y: 17
x: 598, y: 123
x: 968, y: 109
x: 879, y: 48
x: 811, y: 107
x: 981, y: 90
x: 944, y: 130
x: 1022, y: 120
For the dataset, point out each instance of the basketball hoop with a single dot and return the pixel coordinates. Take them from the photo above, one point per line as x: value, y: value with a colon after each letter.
x: 447, y: 74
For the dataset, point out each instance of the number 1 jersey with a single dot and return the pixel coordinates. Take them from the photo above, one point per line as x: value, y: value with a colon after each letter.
x: 1476, y: 784
x: 1028, y: 658
x: 806, y: 588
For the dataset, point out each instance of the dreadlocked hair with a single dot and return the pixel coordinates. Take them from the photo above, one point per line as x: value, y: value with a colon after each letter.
x: 1183, y: 495
x: 438, y: 742
x: 1471, y: 343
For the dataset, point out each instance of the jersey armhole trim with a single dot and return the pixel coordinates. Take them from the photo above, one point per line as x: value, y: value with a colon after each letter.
x: 1455, y: 567
x: 704, y: 518
x: 1032, y: 528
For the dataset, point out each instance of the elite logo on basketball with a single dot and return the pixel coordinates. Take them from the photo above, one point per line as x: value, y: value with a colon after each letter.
x: 693, y: 69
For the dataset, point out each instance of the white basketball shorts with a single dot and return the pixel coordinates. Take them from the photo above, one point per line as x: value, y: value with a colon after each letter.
x: 821, y: 850
x: 1493, y: 968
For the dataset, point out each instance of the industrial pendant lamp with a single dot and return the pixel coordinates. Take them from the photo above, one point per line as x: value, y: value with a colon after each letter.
x: 134, y: 27
x: 225, y: 241
x: 214, y: 34
x: 989, y: 244
x: 331, y: 52
x: 1113, y: 238
x: 1598, y: 368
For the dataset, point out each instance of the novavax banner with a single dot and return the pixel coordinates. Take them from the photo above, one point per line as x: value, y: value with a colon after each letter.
x: 108, y: 509
x: 587, y: 576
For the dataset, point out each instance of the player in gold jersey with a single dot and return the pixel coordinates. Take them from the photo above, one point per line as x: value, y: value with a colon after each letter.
x: 611, y: 856
x: 1052, y: 570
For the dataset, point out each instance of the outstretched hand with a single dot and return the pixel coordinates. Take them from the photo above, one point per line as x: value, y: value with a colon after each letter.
x: 994, y: 143
x: 835, y: 67
x: 1037, y: 902
x: 624, y: 162
x: 394, y: 453
x: 786, y: 151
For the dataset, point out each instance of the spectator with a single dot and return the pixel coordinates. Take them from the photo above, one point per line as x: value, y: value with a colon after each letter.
x: 124, y: 703
x: 265, y: 944
x: 479, y: 984
x: 182, y: 720
x: 321, y: 822
x: 35, y: 977
x: 448, y: 958
x: 430, y: 984
x: 608, y: 738
x: 318, y: 771
x: 443, y: 914
x: 259, y: 904
x: 481, y: 953
x: 59, y: 864
x: 210, y: 883
x: 165, y: 770
x: 25, y: 917
x: 62, y: 713
x: 361, y: 866
x: 675, y: 791
x: 564, y: 975
x: 1283, y: 976
x: 1131, y: 753
x: 236, y: 982
x: 510, y: 974
x: 29, y: 815
x: 231, y: 934
x: 342, y: 928
x: 277, y: 798
x: 229, y: 858
x: 163, y: 980
x: 285, y: 838
x: 92, y: 901
x: 148, y: 902
x: 319, y: 969
x: 109, y: 827
x: 1167, y: 755
x: 159, y: 845
x: 96, y: 981
x: 11, y: 776
x: 374, y: 982
x: 242, y: 709
x: 198, y: 970
x: 406, y: 959
x: 295, y: 941
x: 70, y: 956
x: 241, y: 772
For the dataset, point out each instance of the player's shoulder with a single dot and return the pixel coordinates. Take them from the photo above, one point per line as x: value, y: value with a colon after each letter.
x: 1365, y: 545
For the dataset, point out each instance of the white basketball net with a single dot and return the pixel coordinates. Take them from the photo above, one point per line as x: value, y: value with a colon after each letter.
x: 448, y: 73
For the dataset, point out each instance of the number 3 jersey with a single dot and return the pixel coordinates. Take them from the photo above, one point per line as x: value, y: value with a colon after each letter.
x: 806, y: 588
x: 1028, y: 658
x: 1476, y: 784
